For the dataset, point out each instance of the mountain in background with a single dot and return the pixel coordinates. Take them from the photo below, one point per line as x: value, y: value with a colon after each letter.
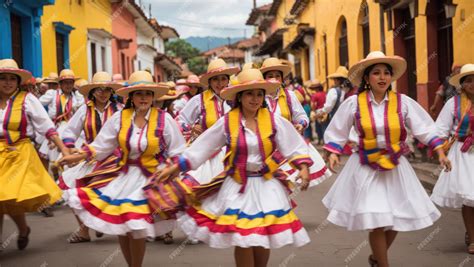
x: 209, y: 42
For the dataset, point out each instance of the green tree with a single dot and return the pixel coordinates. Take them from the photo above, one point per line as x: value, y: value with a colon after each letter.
x: 197, y: 65
x: 189, y: 54
x: 181, y: 48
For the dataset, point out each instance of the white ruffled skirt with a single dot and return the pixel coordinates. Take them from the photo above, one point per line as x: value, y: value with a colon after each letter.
x: 260, y: 216
x: 456, y: 188
x: 362, y: 198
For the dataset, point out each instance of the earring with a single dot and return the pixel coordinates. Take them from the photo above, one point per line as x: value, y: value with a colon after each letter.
x: 367, y: 87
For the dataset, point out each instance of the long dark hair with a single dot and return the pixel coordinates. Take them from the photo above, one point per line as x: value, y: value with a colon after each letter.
x: 367, y: 71
x: 238, y: 104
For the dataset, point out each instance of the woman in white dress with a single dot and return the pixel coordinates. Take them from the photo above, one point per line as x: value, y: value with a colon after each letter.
x: 455, y: 189
x: 62, y: 103
x: 285, y: 104
x: 190, y: 87
x: 250, y: 209
x: 202, y: 111
x: 377, y: 189
x: 25, y: 186
x: 89, y: 119
x: 147, y: 136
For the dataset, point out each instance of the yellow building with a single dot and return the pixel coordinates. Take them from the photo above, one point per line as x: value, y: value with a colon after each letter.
x: 76, y: 34
x: 321, y: 35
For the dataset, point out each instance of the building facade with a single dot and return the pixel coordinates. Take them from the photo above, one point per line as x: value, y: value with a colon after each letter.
x: 21, y: 35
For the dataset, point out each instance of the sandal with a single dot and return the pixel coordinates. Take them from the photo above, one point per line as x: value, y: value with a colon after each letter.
x: 99, y: 234
x: 470, y: 248
x: 23, y: 241
x: 466, y: 239
x: 372, y: 261
x: 74, y: 239
x: 168, y: 238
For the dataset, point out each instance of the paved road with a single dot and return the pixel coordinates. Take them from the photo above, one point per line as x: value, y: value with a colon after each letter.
x: 439, y: 245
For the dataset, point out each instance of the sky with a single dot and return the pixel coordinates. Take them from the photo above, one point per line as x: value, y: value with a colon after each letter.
x: 222, y: 18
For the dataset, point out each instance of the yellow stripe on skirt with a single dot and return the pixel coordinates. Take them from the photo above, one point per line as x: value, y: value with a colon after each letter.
x: 25, y: 186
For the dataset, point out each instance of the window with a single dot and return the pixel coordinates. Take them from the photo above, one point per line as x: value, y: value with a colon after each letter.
x: 343, y: 46
x: 123, y: 65
x: 93, y: 58
x: 60, y: 51
x: 16, y: 39
x: 365, y: 29
x: 103, y: 58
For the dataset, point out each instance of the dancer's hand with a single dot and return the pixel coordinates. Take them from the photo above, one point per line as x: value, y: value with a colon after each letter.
x: 304, y: 177
x: 299, y: 128
x: 197, y: 130
x: 333, y: 162
x: 443, y: 160
x: 445, y: 163
x: 71, y: 160
x: 51, y: 145
x: 169, y: 172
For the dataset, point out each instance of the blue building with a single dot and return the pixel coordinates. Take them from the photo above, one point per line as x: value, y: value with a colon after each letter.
x: 20, y: 32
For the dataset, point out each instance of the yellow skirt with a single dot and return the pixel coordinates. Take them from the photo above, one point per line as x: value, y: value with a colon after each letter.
x: 25, y: 186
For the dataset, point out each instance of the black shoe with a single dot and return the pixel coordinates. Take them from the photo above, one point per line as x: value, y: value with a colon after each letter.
x: 47, y: 212
x: 23, y: 241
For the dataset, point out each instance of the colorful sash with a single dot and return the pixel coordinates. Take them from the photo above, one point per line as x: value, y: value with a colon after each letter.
x: 210, y: 109
x: 154, y: 153
x: 464, y: 116
x: 395, y: 132
x: 63, y: 107
x: 93, y: 123
x: 284, y: 102
x: 15, y: 120
x: 236, y: 154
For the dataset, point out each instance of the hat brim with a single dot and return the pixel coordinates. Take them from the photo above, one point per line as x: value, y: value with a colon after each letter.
x: 285, y: 69
x: 230, y: 92
x: 23, y: 74
x: 399, y: 65
x: 68, y: 78
x: 456, y: 79
x: 158, y: 90
x: 204, y: 79
x: 50, y: 81
x: 191, y: 84
x: 168, y: 97
x: 337, y: 75
x: 85, y: 89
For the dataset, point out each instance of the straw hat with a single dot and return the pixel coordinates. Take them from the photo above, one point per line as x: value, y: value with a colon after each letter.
x: 52, y: 78
x: 118, y: 78
x: 170, y: 95
x: 181, y: 87
x: 341, y: 72
x: 142, y: 80
x: 67, y: 74
x: 247, y: 80
x: 100, y: 79
x: 314, y: 83
x: 273, y: 63
x: 80, y: 82
x: 466, y: 70
x: 9, y: 66
x: 192, y: 80
x: 215, y: 68
x: 398, y: 64
x: 248, y: 65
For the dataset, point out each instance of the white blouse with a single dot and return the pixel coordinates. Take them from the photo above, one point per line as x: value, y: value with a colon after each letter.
x: 289, y: 142
x: 107, y: 139
x: 49, y: 99
x: 447, y: 123
x: 331, y: 99
x: 37, y: 119
x: 415, y: 118
x: 75, y: 125
x: 298, y: 114
x: 191, y: 113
